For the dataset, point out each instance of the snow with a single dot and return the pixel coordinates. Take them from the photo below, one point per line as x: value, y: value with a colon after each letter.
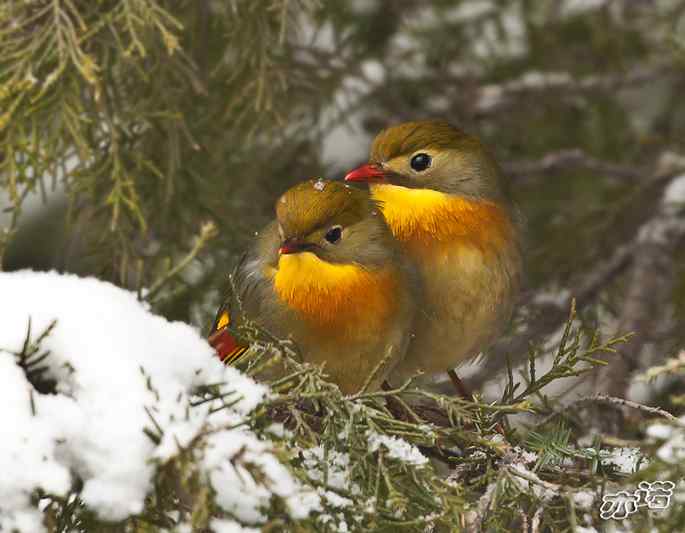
x: 522, y: 455
x: 661, y: 228
x: 247, y: 452
x: 373, y: 71
x: 468, y: 11
x: 577, y: 7
x: 397, y: 448
x: 673, y: 449
x: 335, y: 499
x: 541, y: 489
x: 675, y: 192
x: 659, y: 431
x: 584, y: 499
x: 625, y: 460
x: 121, y: 370
x: 363, y: 7
x: 505, y: 38
x: 558, y: 297
x: 337, y: 468
x: 494, y: 95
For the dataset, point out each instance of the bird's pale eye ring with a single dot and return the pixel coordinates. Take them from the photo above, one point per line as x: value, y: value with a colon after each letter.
x: 334, y: 234
x: 421, y: 162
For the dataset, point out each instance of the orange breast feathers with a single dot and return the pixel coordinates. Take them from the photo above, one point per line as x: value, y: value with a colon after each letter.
x: 344, y: 299
x: 426, y: 219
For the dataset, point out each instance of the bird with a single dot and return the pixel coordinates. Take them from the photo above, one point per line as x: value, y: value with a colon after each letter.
x: 448, y: 204
x: 328, y: 274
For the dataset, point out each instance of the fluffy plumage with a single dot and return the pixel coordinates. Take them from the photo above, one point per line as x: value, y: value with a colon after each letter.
x: 346, y: 304
x: 425, y: 218
x: 338, y: 300
x: 457, y: 224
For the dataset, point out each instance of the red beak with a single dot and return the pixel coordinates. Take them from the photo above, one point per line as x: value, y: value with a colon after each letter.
x: 368, y: 172
x: 292, y: 247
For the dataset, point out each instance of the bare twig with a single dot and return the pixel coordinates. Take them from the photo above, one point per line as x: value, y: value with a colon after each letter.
x: 383, y: 363
x: 553, y: 487
x: 207, y: 232
x: 535, y: 522
x: 495, y: 97
x: 574, y: 158
x: 651, y: 282
x: 602, y: 398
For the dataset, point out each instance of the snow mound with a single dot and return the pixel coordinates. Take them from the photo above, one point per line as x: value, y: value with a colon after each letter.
x: 124, y: 380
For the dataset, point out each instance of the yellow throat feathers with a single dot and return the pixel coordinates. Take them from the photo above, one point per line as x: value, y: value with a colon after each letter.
x: 341, y: 299
x: 427, y: 219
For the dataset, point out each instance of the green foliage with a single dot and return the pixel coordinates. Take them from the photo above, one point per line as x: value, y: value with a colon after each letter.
x: 567, y: 360
x: 335, y: 444
x: 31, y: 360
x: 173, y: 126
x: 552, y: 446
x: 136, y: 108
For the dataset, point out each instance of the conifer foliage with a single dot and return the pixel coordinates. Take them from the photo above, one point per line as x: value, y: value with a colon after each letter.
x: 145, y: 141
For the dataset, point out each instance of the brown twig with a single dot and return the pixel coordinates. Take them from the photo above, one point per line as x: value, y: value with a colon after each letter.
x: 621, y: 402
x: 535, y: 522
x: 573, y: 158
x: 495, y: 97
x: 651, y: 281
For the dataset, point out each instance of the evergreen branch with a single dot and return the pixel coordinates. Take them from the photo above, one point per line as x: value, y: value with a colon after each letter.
x: 30, y: 359
x: 389, y: 354
x: 207, y: 232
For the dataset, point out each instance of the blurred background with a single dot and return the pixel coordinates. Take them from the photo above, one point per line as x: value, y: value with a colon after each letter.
x: 145, y: 142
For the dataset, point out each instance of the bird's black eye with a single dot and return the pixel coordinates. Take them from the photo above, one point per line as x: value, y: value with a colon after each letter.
x: 421, y: 162
x: 334, y: 234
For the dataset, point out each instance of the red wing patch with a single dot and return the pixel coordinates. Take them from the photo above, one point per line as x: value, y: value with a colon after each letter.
x: 225, y: 344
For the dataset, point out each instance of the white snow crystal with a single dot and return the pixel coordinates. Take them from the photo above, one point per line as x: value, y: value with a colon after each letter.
x: 238, y: 491
x: 119, y: 370
x: 336, y: 464
x: 538, y: 487
x: 526, y: 456
x: 335, y: 499
x: 558, y: 297
x: 625, y: 460
x: 675, y: 192
x: 576, y: 7
x: 373, y: 71
x: 673, y: 450
x: 397, y: 448
x: 660, y: 431
x: 584, y: 499
x: 467, y: 11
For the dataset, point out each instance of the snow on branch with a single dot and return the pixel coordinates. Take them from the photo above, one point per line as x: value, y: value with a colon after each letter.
x: 124, y: 380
